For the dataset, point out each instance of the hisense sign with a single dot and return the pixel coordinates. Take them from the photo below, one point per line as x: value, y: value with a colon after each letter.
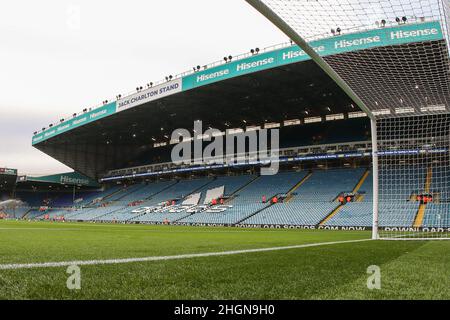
x: 401, y: 34
x: 71, y: 178
x: 344, y: 43
x: 74, y: 181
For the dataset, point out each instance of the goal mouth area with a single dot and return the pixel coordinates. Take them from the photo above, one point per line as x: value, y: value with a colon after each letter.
x: 404, y: 88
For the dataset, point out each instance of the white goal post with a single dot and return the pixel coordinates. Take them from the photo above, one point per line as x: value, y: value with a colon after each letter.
x: 402, y: 83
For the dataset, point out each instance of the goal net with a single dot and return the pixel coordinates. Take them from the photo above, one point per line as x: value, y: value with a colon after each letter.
x: 414, y: 176
x: 392, y: 58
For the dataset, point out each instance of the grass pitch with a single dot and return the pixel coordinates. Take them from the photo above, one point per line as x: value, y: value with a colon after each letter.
x: 409, y: 269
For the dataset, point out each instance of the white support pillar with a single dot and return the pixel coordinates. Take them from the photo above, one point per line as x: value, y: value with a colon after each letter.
x: 373, y: 125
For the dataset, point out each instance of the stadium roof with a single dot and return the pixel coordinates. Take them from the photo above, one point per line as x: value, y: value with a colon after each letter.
x: 266, y: 87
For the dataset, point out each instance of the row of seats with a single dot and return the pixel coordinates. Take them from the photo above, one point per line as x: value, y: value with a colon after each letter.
x: 269, y: 186
x: 437, y: 215
x: 325, y: 186
x: 294, y: 213
x: 248, y: 201
x: 313, y: 201
x: 17, y: 212
x: 390, y: 214
x: 91, y: 214
x: 232, y: 215
x: 310, y: 204
x: 231, y: 185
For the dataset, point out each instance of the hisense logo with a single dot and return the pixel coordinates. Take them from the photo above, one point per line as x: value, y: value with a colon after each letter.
x: 255, y: 64
x: 66, y: 179
x: 63, y: 127
x: 400, y: 34
x: 49, y: 133
x: 78, y: 121
x: 98, y: 114
x: 292, y: 54
x: 356, y: 42
x: 210, y: 76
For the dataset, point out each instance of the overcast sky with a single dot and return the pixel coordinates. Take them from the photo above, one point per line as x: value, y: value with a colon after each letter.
x: 58, y: 57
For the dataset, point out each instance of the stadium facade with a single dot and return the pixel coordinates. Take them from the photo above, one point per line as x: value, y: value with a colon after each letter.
x: 325, y: 152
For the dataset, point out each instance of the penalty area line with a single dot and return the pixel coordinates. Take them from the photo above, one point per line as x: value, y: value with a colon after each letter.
x: 17, y: 266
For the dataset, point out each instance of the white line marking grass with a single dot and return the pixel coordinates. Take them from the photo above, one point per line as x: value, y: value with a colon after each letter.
x: 161, y: 258
x: 40, y: 229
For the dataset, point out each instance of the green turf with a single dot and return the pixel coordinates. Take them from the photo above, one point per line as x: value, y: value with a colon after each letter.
x: 409, y: 269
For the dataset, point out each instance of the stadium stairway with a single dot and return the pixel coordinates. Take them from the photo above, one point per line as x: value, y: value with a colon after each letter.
x: 109, y: 195
x: 35, y: 213
x: 89, y: 199
x: 314, y: 200
x: 95, y: 214
x: 232, y: 196
x: 124, y: 192
x: 289, y: 196
x: 354, y: 191
x: 103, y: 195
x: 135, y: 216
x: 99, y: 218
x: 18, y: 213
x: 359, y: 185
x: 418, y: 220
x: 255, y: 213
x: 41, y: 215
x: 290, y: 193
x: 25, y: 216
x: 331, y: 215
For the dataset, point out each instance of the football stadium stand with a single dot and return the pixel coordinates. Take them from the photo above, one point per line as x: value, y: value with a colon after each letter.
x: 249, y: 200
x: 17, y: 212
x: 434, y: 216
x: 122, y: 149
x: 302, y: 198
x: 313, y: 201
x: 231, y: 184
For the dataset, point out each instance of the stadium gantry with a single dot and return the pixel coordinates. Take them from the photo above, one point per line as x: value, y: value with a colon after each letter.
x: 361, y: 104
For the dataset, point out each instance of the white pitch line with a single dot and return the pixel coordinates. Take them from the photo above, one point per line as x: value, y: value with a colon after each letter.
x: 160, y: 258
x: 40, y: 229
